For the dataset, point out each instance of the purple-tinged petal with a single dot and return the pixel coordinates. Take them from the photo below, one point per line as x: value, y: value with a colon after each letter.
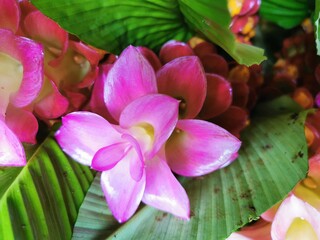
x: 82, y: 134
x: 151, y: 57
x: 107, y: 157
x: 30, y: 54
x: 130, y: 77
x: 151, y: 120
x: 174, y: 49
x: 51, y: 103
x: 23, y: 123
x: 97, y: 104
x: 122, y: 192
x: 184, y: 79
x: 198, y: 147
x: 295, y: 219
x: 163, y: 191
x: 11, y: 149
x: 10, y: 15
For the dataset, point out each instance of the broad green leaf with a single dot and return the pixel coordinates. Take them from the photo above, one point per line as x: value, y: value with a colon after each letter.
x: 272, y: 160
x: 286, y: 13
x: 113, y: 25
x: 41, y: 200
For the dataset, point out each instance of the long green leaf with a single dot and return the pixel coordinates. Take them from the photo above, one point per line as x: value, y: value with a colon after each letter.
x: 41, y: 200
x: 316, y: 23
x: 272, y: 160
x: 113, y: 25
x: 286, y: 13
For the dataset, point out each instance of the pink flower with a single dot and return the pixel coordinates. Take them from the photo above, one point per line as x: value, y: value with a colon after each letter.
x: 136, y: 157
x: 21, y: 72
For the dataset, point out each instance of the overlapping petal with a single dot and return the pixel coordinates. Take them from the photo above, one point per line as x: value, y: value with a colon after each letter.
x: 151, y: 119
x: 296, y: 218
x: 199, y: 147
x: 130, y: 77
x: 10, y: 15
x: 174, y: 49
x: 23, y: 123
x: 163, y: 191
x: 11, y: 149
x: 184, y: 79
x: 30, y: 54
x: 122, y: 192
x: 82, y: 134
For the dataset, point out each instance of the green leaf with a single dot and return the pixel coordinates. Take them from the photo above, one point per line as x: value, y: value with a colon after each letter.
x: 113, y: 25
x: 285, y: 13
x: 41, y: 200
x: 272, y: 160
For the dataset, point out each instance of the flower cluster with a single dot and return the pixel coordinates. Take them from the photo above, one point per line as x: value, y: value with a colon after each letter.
x: 148, y: 131
x: 44, y: 73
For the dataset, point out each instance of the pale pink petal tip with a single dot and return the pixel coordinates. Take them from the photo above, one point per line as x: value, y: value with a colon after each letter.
x: 11, y: 150
x: 122, y: 192
x: 163, y: 191
x: 198, y: 147
x: 82, y: 134
x: 296, y: 218
x: 130, y: 77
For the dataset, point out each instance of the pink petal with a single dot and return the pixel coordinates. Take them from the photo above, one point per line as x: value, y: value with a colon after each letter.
x: 259, y: 230
x: 163, y: 191
x: 51, y: 103
x: 82, y: 134
x: 123, y: 194
x: 214, y: 63
x: 184, y: 79
x: 44, y: 30
x: 107, y: 157
x: 30, y: 54
x: 219, y: 96
x: 23, y: 123
x: 174, y: 49
x: 11, y: 150
x: 293, y: 209
x: 151, y: 119
x: 10, y: 15
x: 151, y: 57
x: 204, y: 48
x: 130, y: 77
x: 97, y: 104
x: 198, y: 147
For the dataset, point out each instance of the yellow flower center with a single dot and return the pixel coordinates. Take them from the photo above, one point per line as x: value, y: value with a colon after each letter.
x: 301, y: 229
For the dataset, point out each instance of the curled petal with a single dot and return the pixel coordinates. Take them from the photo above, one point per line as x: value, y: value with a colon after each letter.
x: 50, y: 103
x: 151, y: 119
x: 82, y: 134
x: 30, y: 54
x: 122, y: 192
x: 10, y: 15
x: 48, y: 33
x: 219, y: 96
x: 184, y: 79
x: 130, y: 77
x: 174, y: 49
x: 296, y: 219
x: 163, y: 191
x: 11, y: 149
x: 199, y: 147
x: 107, y: 157
x: 23, y: 123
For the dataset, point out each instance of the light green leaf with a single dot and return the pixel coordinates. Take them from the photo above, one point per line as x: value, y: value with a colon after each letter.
x: 113, y: 25
x: 41, y: 200
x: 272, y: 160
x: 316, y: 23
x: 286, y: 13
